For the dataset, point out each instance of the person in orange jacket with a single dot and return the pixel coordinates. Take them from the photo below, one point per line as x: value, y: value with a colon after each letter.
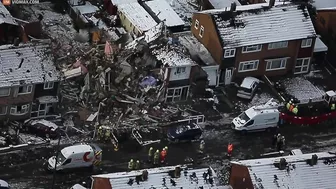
x: 230, y: 149
x: 163, y: 155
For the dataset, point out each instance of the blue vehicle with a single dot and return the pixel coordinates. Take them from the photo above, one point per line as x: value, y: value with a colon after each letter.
x: 184, y: 133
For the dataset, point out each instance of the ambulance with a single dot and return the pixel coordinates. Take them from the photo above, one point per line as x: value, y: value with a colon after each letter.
x: 76, y: 156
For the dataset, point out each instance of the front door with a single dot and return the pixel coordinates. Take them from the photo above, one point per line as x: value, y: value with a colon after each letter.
x: 228, y: 76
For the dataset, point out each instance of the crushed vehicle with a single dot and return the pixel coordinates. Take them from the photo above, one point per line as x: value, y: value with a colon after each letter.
x: 76, y: 156
x: 184, y: 133
x: 4, y: 185
x: 41, y: 128
x: 248, y: 88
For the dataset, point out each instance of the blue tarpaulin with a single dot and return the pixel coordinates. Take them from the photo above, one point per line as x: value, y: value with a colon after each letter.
x: 148, y: 81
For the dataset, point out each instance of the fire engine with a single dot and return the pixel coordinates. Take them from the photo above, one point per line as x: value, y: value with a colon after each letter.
x: 273, y: 114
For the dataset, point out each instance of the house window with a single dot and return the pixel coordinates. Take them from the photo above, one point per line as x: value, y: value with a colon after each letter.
x: 252, y: 48
x: 278, y: 45
x: 3, y: 110
x: 306, y: 43
x: 19, y: 110
x: 48, y: 85
x: 276, y: 64
x: 25, y: 89
x: 175, y: 94
x: 229, y: 53
x: 302, y: 65
x: 180, y: 70
x: 5, y: 92
x: 248, y: 66
x: 201, y: 31
x: 196, y: 24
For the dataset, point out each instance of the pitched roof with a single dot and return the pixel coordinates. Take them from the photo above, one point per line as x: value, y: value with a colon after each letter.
x: 164, y: 11
x: 160, y: 178
x: 174, y: 56
x: 218, y: 4
x: 119, y: 2
x: 138, y: 16
x: 259, y: 24
x: 5, y: 16
x: 324, y: 4
x: 26, y: 64
x: 297, y: 175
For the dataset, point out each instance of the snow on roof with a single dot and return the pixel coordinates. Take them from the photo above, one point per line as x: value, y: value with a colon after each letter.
x: 120, y: 2
x: 88, y: 8
x: 218, y: 4
x: 184, y: 9
x: 79, y: 148
x: 165, y: 12
x: 259, y: 24
x: 174, y: 56
x: 138, y: 16
x: 299, y: 174
x: 320, y: 46
x: 190, y: 178
x: 5, y: 16
x: 324, y: 4
x: 302, y: 89
x: 44, y: 122
x: 26, y: 65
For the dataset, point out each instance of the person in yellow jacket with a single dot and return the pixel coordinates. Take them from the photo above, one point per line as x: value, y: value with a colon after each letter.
x: 295, y: 110
x: 332, y: 107
x: 137, y: 165
x: 156, y: 157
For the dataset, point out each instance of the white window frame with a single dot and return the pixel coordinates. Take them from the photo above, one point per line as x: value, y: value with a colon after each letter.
x: 181, y: 70
x: 6, y: 109
x: 302, y: 66
x: 196, y: 24
x: 255, y: 66
x: 246, y: 48
x: 175, y: 96
x: 305, y: 43
x: 9, y: 91
x: 228, y: 53
x: 48, y: 85
x: 278, y: 45
x: 201, y: 32
x: 13, y: 110
x: 29, y: 89
x: 282, y: 64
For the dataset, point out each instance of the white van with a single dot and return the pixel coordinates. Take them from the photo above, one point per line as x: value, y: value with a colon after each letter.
x: 257, y: 118
x: 4, y: 185
x: 76, y: 156
x: 248, y: 88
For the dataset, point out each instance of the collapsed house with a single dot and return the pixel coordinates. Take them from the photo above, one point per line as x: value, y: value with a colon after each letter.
x: 29, y: 82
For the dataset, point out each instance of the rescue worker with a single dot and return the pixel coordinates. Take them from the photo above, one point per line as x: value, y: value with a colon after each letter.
x: 229, y: 149
x: 201, y: 147
x: 288, y: 104
x: 156, y: 157
x: 166, y: 148
x: 150, y: 154
x: 137, y: 165
x: 100, y: 132
x: 163, y: 155
x: 295, y: 110
x: 131, y: 165
x: 283, y: 141
x: 279, y: 142
x: 333, y: 107
x: 107, y: 135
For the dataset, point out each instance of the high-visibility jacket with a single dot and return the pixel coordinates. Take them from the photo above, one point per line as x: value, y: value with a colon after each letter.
x: 156, y: 155
x: 131, y: 165
x: 295, y: 110
x: 333, y: 107
x: 137, y: 165
x: 230, y: 148
x: 107, y: 133
x: 288, y: 105
x: 150, y: 152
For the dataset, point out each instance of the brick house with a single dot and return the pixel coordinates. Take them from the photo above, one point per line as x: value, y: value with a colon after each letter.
x: 216, y: 4
x: 28, y: 82
x: 253, y: 40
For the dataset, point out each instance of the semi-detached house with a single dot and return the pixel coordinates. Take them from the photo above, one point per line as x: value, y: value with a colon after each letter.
x: 254, y: 40
x: 28, y: 82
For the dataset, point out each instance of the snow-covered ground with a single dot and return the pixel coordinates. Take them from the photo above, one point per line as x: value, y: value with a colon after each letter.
x: 258, y: 99
x: 58, y: 26
x: 184, y: 8
x: 302, y: 88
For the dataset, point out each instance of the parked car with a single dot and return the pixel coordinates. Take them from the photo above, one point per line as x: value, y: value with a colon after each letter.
x: 186, y: 132
x: 4, y: 184
x: 248, y: 88
x: 41, y: 128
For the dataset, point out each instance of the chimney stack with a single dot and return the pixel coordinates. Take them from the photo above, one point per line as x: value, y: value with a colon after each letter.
x: 271, y: 3
x: 233, y: 7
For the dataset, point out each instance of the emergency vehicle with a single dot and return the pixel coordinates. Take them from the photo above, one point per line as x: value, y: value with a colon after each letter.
x: 76, y: 156
x: 272, y: 114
